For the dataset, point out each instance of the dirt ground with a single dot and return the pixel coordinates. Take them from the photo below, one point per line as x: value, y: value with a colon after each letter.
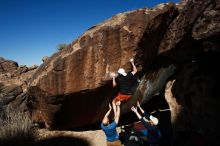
x: 76, y: 138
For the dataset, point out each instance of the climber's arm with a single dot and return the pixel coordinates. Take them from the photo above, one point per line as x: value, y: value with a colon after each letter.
x: 113, y: 80
x: 134, y: 109
x: 106, y: 115
x: 118, y: 110
x: 139, y: 106
x: 133, y: 66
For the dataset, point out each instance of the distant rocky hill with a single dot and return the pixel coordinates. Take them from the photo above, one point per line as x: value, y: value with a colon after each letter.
x: 176, y: 49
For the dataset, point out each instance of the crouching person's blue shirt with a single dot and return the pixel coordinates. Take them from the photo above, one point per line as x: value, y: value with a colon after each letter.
x: 110, y: 131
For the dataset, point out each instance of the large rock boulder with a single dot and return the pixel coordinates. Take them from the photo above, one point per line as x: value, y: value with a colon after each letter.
x: 73, y: 88
x: 7, y: 93
x: 192, y: 41
x: 208, y: 23
x: 193, y: 99
x: 7, y: 65
x: 13, y: 84
x: 197, y: 22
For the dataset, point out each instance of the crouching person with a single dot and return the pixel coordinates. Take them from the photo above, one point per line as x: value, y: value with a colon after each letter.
x: 109, y: 128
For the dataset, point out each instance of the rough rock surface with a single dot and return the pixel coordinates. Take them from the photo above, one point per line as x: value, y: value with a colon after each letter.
x: 13, y: 84
x: 192, y: 41
x: 208, y: 24
x: 74, y: 82
x: 194, y: 100
x: 198, y: 19
x: 7, y: 65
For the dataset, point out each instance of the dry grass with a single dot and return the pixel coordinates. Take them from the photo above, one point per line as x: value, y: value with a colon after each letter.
x: 15, y: 128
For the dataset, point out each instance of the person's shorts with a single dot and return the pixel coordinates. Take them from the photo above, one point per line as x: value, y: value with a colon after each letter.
x: 121, y: 97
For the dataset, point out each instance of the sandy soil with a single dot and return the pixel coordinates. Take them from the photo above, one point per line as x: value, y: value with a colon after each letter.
x: 91, y: 138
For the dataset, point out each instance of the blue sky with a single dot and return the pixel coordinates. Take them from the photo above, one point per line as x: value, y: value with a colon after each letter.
x: 32, y: 29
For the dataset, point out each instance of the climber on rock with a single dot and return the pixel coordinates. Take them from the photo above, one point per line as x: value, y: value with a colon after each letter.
x: 109, y: 128
x: 125, y: 82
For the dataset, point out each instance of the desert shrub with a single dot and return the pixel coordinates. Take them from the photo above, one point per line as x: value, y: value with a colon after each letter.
x: 61, y: 46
